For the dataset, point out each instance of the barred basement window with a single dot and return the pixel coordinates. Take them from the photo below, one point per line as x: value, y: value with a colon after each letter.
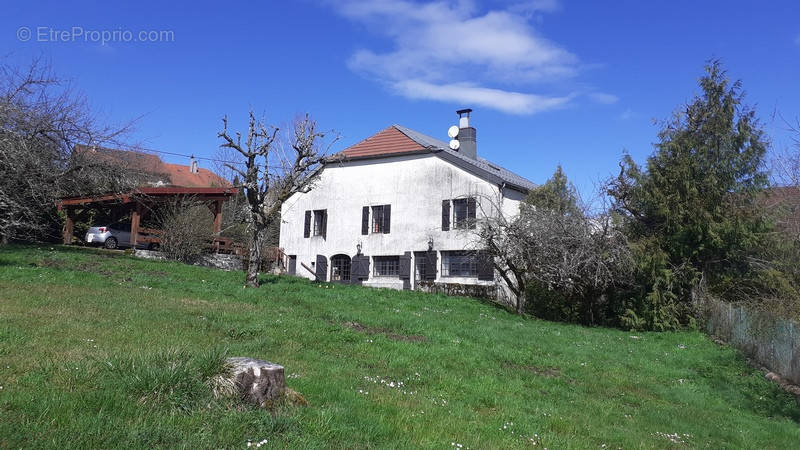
x: 387, y: 266
x: 459, y: 264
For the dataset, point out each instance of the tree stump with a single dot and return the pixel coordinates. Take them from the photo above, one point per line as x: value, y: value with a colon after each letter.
x: 257, y: 381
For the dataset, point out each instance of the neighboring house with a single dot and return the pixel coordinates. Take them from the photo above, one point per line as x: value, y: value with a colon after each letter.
x: 398, y: 210
x: 152, y: 170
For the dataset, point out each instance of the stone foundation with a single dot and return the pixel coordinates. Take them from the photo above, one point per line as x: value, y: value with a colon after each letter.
x: 487, y: 291
x: 213, y: 260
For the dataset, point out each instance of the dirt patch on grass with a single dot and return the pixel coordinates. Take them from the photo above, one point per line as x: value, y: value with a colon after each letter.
x: 88, y: 266
x: 386, y: 332
x: 548, y: 372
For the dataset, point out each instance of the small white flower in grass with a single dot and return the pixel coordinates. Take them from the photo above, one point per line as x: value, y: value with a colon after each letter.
x: 682, y: 347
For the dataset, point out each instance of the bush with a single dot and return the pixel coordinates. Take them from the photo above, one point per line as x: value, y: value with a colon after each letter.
x: 185, y: 230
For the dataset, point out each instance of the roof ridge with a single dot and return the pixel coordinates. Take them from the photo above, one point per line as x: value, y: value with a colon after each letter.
x: 369, y: 137
x: 411, y: 132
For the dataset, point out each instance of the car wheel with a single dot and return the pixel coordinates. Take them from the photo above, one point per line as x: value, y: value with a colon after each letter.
x: 111, y: 243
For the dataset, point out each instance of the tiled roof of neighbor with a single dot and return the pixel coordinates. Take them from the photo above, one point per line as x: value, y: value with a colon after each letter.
x: 167, y: 174
x: 399, y: 139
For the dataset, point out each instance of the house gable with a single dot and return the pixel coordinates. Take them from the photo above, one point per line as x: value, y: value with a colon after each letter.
x: 397, y: 140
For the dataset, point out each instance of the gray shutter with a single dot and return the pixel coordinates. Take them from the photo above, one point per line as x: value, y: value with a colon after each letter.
x: 307, y: 225
x: 324, y: 226
x: 445, y: 215
x: 404, y: 270
x: 359, y: 270
x: 322, y: 268
x: 431, y: 264
x: 485, y: 266
x: 471, y: 212
x: 365, y: 220
x: 387, y: 218
x: 355, y: 270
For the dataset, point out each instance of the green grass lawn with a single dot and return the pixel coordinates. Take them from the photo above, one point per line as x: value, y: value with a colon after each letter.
x: 104, y: 350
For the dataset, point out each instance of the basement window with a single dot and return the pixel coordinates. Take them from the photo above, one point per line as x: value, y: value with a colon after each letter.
x: 387, y: 266
x: 459, y: 264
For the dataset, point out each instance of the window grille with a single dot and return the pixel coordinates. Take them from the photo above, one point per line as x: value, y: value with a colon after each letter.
x: 459, y: 264
x: 387, y: 266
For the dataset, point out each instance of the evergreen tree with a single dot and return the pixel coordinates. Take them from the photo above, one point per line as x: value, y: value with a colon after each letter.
x: 692, y: 211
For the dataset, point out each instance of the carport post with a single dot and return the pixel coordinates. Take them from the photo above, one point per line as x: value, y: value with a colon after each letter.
x: 69, y: 225
x: 137, y: 213
x: 217, y: 216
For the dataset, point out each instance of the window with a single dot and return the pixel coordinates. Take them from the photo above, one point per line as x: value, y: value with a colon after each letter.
x: 459, y: 264
x: 340, y: 268
x: 387, y: 266
x: 307, y: 225
x: 464, y: 213
x: 320, y: 222
x: 381, y: 218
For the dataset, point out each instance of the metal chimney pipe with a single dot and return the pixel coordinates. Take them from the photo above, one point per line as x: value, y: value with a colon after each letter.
x: 466, y: 135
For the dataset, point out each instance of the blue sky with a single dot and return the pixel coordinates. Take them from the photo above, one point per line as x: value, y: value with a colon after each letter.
x: 550, y: 81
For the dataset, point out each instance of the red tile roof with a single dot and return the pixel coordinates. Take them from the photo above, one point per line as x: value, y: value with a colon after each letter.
x: 169, y: 174
x: 390, y: 140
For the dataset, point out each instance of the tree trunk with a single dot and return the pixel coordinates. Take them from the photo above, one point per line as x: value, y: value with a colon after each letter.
x: 520, y: 300
x: 256, y: 381
x: 254, y: 261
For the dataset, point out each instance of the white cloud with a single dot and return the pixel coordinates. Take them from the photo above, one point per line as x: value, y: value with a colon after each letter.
x: 449, y: 51
x: 604, y: 98
x: 469, y: 94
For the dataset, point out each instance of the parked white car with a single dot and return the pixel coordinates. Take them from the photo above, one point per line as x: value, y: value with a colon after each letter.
x: 115, y: 235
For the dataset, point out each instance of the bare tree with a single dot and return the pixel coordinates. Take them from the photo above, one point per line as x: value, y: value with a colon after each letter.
x: 42, y: 119
x: 786, y: 164
x: 557, y: 246
x: 272, y: 171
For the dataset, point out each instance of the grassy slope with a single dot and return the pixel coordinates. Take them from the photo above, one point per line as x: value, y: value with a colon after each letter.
x: 98, y: 350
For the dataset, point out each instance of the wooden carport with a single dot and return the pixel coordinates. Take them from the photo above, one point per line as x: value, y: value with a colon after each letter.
x: 138, y: 202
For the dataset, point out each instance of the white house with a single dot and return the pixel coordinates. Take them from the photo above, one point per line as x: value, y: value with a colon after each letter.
x: 396, y: 209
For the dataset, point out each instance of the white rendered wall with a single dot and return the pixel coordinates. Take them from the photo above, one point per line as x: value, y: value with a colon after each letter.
x: 415, y: 187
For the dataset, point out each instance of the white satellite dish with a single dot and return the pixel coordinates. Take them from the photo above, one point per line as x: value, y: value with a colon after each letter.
x: 452, y: 132
x: 454, y: 144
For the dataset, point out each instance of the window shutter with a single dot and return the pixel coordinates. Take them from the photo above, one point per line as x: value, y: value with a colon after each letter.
x: 404, y: 270
x: 445, y: 215
x: 365, y: 220
x: 359, y: 271
x: 485, y: 266
x: 387, y: 218
x: 471, y: 212
x: 324, y: 226
x: 307, y: 225
x: 322, y: 268
x: 430, y: 265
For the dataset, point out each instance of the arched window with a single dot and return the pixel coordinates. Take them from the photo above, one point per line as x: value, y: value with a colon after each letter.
x: 340, y: 268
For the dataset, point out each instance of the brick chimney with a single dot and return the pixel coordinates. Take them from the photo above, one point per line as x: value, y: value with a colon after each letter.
x: 466, y: 135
